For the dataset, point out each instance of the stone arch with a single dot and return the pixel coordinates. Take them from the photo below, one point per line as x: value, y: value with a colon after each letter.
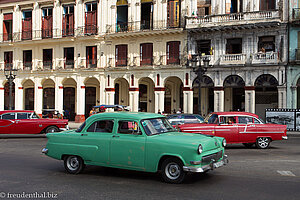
x: 121, y: 91
x: 266, y: 93
x: 173, y: 94
x: 92, y: 94
x: 48, y: 93
x: 207, y: 95
x: 234, y: 93
x: 146, y: 94
x: 7, y: 105
x: 69, y: 99
x: 28, y: 91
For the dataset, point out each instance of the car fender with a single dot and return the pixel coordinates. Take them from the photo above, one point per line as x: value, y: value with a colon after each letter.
x: 168, y: 155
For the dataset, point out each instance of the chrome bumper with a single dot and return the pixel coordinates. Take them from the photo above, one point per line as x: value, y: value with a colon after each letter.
x: 210, y: 166
x: 284, y: 137
x: 44, y: 150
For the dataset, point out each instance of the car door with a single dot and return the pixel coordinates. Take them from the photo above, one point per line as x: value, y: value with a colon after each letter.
x: 94, y: 142
x: 247, y: 129
x: 227, y: 129
x: 128, y: 146
x: 7, y: 123
x: 24, y: 125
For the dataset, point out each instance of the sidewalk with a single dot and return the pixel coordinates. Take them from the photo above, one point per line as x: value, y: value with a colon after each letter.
x: 74, y: 125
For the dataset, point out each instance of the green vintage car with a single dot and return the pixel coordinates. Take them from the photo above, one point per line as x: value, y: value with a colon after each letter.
x: 136, y: 141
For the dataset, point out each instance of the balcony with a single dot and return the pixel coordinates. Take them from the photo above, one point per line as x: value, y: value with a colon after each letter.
x: 47, y: 65
x: 91, y: 63
x: 232, y: 19
x: 263, y: 58
x: 69, y: 64
x: 8, y: 66
x: 236, y: 59
x: 27, y: 66
x: 139, y: 26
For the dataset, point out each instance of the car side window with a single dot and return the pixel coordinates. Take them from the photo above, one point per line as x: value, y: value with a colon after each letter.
x: 8, y: 116
x: 129, y: 127
x: 22, y: 115
x: 245, y: 120
x: 213, y: 119
x: 227, y: 120
x: 34, y: 116
x: 256, y: 121
x: 103, y: 126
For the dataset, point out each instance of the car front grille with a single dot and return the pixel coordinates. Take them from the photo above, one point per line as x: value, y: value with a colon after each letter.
x: 216, y: 156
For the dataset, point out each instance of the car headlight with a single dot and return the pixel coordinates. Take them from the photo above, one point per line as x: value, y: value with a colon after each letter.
x: 200, y: 149
x: 224, y: 143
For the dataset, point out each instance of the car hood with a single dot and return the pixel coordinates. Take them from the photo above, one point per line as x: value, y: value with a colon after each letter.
x: 189, y: 139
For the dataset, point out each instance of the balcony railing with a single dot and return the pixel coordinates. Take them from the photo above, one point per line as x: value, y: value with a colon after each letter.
x: 47, y: 33
x: 69, y: 64
x: 91, y: 63
x: 7, y: 36
x: 8, y: 66
x: 140, y: 26
x: 268, y: 57
x: 121, y: 62
x: 296, y: 13
x: 27, y: 35
x: 47, y: 65
x: 233, y: 59
x: 246, y: 17
x: 27, y: 65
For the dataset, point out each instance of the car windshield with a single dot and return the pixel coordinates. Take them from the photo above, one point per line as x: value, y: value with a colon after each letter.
x: 157, y: 126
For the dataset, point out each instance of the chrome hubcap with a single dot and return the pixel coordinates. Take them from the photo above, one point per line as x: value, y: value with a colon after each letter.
x: 73, y: 163
x: 172, y: 171
x: 263, y: 142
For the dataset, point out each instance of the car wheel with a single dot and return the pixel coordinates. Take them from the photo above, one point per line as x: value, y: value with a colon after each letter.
x: 248, y: 145
x: 263, y: 142
x: 73, y: 164
x: 172, y: 171
x: 52, y: 129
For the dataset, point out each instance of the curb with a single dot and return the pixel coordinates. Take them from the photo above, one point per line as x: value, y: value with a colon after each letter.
x: 18, y: 136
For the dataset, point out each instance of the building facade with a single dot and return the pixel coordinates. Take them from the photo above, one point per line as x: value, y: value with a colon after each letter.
x: 246, y: 42
x: 74, y: 54
x: 293, y: 69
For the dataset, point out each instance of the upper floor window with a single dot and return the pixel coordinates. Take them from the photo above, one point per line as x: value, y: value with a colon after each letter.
x: 27, y: 59
x: 266, y: 44
x: 146, y: 15
x: 47, y: 22
x: 8, y: 60
x: 204, y: 47
x: 122, y: 15
x: 91, y: 57
x: 27, y: 25
x: 68, y: 20
x: 234, y: 46
x: 121, y: 55
x: 7, y: 26
x: 69, y: 57
x: 173, y: 52
x: 173, y: 13
x: 146, y: 54
x: 267, y: 4
x: 91, y: 18
x: 203, y: 7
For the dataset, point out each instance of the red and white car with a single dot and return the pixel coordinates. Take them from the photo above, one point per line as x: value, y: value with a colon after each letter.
x: 238, y: 127
x: 28, y: 122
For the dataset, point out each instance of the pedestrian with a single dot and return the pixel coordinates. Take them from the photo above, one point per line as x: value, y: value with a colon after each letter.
x: 179, y: 111
x: 159, y: 111
x: 92, y: 112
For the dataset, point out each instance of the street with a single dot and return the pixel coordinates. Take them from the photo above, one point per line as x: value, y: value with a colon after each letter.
x: 273, y: 173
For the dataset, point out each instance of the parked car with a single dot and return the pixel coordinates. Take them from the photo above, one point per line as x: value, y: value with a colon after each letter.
x: 28, y: 122
x: 238, y: 127
x: 136, y: 141
x: 178, y: 119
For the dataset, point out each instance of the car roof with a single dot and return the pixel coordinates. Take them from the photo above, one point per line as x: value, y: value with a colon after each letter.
x: 14, y: 111
x: 236, y: 113
x: 127, y: 115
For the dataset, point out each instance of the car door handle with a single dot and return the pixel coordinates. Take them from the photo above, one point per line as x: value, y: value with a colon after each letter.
x: 83, y: 134
x: 116, y: 136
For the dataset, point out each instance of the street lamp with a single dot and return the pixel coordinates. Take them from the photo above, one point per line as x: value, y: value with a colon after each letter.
x: 10, y: 75
x: 200, y: 71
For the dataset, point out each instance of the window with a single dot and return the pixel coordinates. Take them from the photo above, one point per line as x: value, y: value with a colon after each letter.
x: 146, y: 54
x: 91, y: 54
x: 267, y: 4
x: 245, y: 120
x: 27, y: 25
x: 80, y: 127
x: 203, y: 7
x: 204, y: 47
x: 173, y: 52
x: 7, y: 26
x: 27, y: 59
x: 212, y: 119
x: 47, y: 23
x: 103, y: 126
x: 146, y: 15
x: 8, y: 59
x: 129, y: 127
x: 121, y: 55
x: 69, y: 57
x: 173, y: 13
x: 8, y: 116
x: 266, y: 44
x: 34, y: 116
x: 227, y: 120
x: 234, y: 46
x: 68, y: 21
x: 256, y: 121
x: 23, y: 115
x: 47, y: 58
x: 91, y: 18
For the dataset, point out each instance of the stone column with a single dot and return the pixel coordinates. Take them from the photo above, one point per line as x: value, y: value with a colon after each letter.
x: 38, y: 98
x: 281, y: 96
x: 188, y: 100
x: 110, y: 96
x: 134, y: 99
x: 19, y: 95
x: 159, y: 94
x: 250, y: 99
x: 59, y: 98
x: 80, y: 104
x: 294, y: 97
x: 219, y: 99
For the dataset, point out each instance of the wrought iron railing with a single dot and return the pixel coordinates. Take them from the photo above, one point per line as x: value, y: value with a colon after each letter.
x: 69, y: 64
x: 8, y: 66
x: 91, y: 63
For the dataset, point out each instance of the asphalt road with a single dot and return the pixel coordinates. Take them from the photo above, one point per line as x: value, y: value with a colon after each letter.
x: 253, y: 174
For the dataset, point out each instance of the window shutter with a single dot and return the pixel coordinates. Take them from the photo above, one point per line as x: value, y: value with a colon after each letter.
x: 64, y: 25
x: 71, y: 24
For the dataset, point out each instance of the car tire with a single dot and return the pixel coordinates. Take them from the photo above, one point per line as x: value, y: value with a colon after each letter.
x: 248, y: 145
x: 73, y: 164
x: 52, y: 129
x: 172, y: 170
x: 263, y: 142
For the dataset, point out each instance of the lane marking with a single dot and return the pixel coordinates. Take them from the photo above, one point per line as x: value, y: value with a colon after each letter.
x: 286, y: 173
